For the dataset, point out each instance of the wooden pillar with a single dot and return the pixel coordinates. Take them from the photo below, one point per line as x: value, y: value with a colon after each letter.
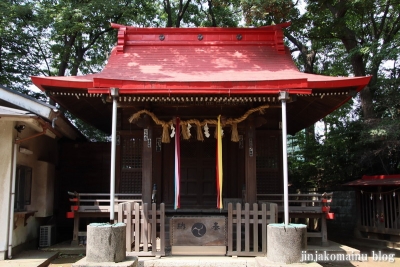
x: 250, y: 162
x: 324, y: 230
x: 118, y: 153
x: 380, y: 211
x: 75, y: 237
x: 147, y: 160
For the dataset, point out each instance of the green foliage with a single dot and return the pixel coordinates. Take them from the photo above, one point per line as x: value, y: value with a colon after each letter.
x: 381, y: 137
x: 258, y: 12
x: 92, y: 134
x: 20, y: 55
x: 330, y: 157
x: 352, y: 38
x: 200, y: 13
x: 80, y: 32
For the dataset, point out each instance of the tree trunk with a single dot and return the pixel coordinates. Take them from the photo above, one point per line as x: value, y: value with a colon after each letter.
x: 66, y: 54
x: 182, y: 10
x: 349, y: 41
x: 308, y: 56
x: 211, y: 12
x: 78, y: 59
x: 167, y: 9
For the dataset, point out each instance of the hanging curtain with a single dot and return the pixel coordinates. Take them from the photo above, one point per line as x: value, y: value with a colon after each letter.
x: 219, y: 174
x: 177, y: 204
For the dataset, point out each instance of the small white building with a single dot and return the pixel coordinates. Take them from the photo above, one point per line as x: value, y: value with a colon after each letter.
x: 29, y: 133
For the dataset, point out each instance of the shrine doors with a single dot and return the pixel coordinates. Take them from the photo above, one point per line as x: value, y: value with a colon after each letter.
x: 198, y: 184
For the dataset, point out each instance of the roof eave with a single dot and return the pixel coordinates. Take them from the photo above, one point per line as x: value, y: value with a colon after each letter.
x: 40, y: 109
x: 28, y: 103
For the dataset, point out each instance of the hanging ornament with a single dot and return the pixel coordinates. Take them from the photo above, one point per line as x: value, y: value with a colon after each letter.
x: 394, y: 194
x: 362, y: 192
x: 188, y: 129
x: 380, y: 196
x: 206, y: 132
x: 172, y: 131
x: 382, y: 218
x: 371, y: 196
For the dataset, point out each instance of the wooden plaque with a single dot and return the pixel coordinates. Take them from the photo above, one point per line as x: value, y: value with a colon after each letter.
x: 198, y: 231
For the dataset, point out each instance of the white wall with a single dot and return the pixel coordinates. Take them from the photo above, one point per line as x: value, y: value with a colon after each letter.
x: 43, y: 189
x: 6, y: 148
x: 42, y: 161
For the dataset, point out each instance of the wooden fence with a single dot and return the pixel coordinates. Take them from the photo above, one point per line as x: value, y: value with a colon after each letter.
x: 249, y: 226
x: 145, y: 228
x: 379, y: 213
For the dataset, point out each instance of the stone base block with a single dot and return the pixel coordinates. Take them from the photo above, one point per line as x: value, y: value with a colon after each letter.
x: 130, y: 261
x: 106, y: 242
x: 286, y: 242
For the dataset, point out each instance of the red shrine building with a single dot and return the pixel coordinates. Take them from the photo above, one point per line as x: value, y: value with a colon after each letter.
x: 201, y: 77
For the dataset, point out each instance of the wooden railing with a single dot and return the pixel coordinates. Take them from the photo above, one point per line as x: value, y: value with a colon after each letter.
x: 301, y: 203
x: 97, y: 202
x: 94, y: 205
x: 253, y: 224
x: 145, y: 228
x: 308, y: 206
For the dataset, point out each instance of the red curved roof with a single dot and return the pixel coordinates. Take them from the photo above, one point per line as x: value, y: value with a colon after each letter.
x: 201, y: 60
x: 230, y: 63
x: 376, y: 180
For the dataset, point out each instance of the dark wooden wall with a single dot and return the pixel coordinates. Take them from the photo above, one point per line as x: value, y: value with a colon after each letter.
x: 84, y: 168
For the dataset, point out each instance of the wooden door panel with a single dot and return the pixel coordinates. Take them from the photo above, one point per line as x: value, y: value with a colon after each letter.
x: 269, y: 163
x: 198, y: 174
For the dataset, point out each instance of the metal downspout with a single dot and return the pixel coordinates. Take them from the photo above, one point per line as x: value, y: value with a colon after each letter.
x: 114, y: 94
x: 12, y: 199
x: 283, y: 96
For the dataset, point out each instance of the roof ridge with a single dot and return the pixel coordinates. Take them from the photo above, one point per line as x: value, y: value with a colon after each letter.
x: 271, y: 35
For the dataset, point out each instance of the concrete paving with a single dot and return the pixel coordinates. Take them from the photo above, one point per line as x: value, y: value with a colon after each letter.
x: 30, y: 258
x: 42, y: 258
x: 197, y: 261
x: 130, y: 261
x: 264, y: 262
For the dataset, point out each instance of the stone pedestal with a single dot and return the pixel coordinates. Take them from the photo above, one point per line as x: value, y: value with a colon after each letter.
x: 286, y: 242
x: 106, y: 242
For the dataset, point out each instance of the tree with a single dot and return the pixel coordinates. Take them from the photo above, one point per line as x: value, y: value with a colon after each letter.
x: 71, y: 37
x: 369, y: 31
x: 207, y: 13
x: 20, y: 48
x: 80, y: 31
x: 364, y: 34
